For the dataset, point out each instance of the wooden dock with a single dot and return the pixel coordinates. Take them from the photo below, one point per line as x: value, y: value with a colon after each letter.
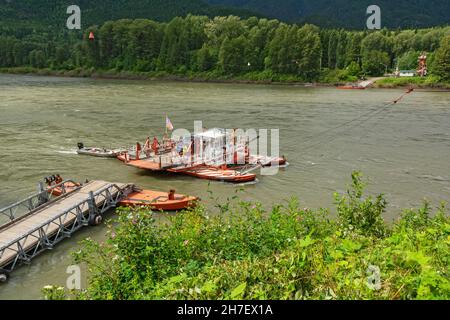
x: 49, y: 221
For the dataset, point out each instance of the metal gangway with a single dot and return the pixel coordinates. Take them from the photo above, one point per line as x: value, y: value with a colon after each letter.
x: 44, y: 219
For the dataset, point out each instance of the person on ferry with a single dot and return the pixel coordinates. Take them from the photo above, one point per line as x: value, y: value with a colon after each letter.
x: 155, y: 145
x: 180, y: 147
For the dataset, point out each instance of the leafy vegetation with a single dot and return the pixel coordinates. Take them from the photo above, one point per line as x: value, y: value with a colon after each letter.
x: 425, y: 82
x: 245, y: 252
x: 224, y: 48
x: 441, y: 66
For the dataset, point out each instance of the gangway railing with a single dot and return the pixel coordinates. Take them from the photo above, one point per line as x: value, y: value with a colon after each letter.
x: 34, y: 201
x: 48, y: 233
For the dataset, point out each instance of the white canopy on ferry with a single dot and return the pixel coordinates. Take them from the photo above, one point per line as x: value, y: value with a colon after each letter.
x: 214, y: 133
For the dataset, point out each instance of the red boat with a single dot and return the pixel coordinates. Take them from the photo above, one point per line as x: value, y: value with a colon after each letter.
x: 158, y: 200
x: 217, y: 174
x: 353, y: 87
x: 56, y: 185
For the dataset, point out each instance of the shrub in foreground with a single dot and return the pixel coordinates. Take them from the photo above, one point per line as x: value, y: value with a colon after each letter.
x: 246, y: 252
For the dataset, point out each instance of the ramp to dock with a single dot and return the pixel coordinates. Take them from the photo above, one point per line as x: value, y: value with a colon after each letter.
x: 45, y: 225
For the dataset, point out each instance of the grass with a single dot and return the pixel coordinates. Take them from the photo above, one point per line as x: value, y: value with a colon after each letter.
x: 243, y: 251
x: 417, y: 82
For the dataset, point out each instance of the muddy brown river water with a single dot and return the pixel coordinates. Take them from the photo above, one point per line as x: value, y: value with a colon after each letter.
x: 403, y: 150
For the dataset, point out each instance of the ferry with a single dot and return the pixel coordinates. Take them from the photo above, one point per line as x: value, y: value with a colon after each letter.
x: 214, y: 154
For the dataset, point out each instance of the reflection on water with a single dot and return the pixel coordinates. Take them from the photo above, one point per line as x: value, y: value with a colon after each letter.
x: 403, y: 150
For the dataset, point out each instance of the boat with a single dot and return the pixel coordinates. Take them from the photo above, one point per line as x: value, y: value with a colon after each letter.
x: 352, y: 87
x: 97, y: 152
x: 61, y: 185
x: 217, y: 174
x: 214, y: 154
x: 158, y: 200
x: 263, y: 161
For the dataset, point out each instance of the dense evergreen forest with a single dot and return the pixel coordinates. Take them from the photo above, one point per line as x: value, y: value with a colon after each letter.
x: 349, y: 13
x: 53, y: 12
x: 226, y: 46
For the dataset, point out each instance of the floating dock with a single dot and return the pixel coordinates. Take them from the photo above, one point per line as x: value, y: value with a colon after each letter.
x: 43, y: 220
x: 56, y: 211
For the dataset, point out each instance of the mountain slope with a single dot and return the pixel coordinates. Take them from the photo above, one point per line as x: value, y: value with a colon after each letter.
x: 325, y: 13
x: 350, y: 13
x: 53, y: 12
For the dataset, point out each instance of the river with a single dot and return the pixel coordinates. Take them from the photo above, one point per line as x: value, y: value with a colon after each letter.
x: 325, y: 133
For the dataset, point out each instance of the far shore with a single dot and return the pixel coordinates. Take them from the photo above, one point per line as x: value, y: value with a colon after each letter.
x: 198, y: 78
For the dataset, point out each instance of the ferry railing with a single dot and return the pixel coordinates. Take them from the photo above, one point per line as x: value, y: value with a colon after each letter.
x: 34, y: 201
x: 46, y: 236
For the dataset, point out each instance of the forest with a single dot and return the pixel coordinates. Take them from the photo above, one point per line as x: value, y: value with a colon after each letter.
x: 348, y: 13
x: 226, y: 47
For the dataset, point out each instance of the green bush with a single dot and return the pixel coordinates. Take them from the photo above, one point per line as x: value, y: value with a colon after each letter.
x: 337, y: 76
x: 243, y: 251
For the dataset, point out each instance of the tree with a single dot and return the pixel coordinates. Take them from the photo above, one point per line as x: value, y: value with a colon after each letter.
x: 376, y: 49
x: 341, y: 50
x: 232, y: 58
x: 441, y: 64
x: 408, y: 60
x: 332, y: 48
x: 279, y: 57
x: 145, y: 39
x: 204, y: 59
x: 37, y: 58
x: 309, y: 55
x: 375, y: 62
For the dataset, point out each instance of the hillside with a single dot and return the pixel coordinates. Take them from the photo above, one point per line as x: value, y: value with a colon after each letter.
x: 350, y: 13
x: 325, y: 13
x: 53, y: 12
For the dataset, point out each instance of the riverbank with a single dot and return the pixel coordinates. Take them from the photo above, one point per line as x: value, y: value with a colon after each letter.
x: 248, y: 252
x: 430, y: 82
x: 327, y: 80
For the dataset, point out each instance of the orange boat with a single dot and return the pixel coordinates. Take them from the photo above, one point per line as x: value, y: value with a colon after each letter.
x: 217, y: 174
x: 354, y: 87
x: 62, y: 186
x: 198, y: 171
x: 158, y: 200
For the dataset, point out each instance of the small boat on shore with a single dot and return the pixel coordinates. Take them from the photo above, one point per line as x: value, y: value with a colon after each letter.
x: 97, y: 152
x: 352, y: 87
x: 158, y: 200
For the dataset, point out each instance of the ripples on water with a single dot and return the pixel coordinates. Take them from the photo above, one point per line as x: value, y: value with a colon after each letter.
x: 404, y: 150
